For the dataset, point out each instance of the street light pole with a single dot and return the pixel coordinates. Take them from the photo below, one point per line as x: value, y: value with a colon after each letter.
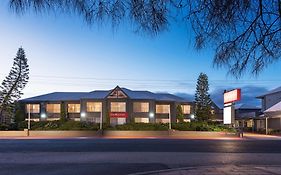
x: 266, y: 126
x: 28, y: 127
x: 170, y: 121
x: 101, y: 118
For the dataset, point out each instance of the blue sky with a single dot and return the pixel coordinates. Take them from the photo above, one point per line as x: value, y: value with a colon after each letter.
x: 67, y: 55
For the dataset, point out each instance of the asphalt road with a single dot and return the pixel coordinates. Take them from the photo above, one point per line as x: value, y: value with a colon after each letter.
x: 141, y: 145
x: 125, y: 156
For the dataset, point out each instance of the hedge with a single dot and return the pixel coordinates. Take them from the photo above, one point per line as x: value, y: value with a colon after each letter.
x: 76, y: 125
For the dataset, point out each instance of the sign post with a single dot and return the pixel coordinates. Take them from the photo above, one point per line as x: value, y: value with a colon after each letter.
x: 101, y: 120
x: 28, y: 127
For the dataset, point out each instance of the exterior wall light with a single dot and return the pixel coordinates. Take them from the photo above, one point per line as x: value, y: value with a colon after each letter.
x: 43, y: 115
x: 192, y: 116
x: 83, y: 114
x: 151, y: 114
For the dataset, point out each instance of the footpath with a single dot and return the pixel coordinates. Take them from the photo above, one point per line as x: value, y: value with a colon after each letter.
x: 219, y: 170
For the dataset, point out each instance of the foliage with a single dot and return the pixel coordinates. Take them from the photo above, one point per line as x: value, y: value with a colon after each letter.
x: 202, y: 99
x: 107, y: 119
x: 19, y: 112
x: 180, y: 115
x: 12, y: 86
x: 244, y: 33
x: 201, y: 126
x: 63, y: 113
x: 141, y: 127
x: 4, y: 127
x: 59, y: 125
x: 76, y: 125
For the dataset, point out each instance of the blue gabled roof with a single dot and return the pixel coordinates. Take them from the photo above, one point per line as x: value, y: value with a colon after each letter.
x: 101, y: 94
x: 276, y: 90
x: 246, y: 106
x: 96, y: 95
x: 57, y: 96
x: 168, y: 97
x: 139, y: 94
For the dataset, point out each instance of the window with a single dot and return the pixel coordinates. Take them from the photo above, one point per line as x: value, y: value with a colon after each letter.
x: 94, y: 106
x: 141, y: 120
x: 185, y: 109
x: 34, y: 108
x: 117, y: 94
x: 162, y: 109
x: 53, y: 108
x: 117, y: 121
x: 73, y: 108
x: 141, y: 107
x: 158, y: 120
x: 118, y: 107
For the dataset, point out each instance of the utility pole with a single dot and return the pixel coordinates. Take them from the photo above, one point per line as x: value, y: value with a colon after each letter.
x: 28, y: 127
x: 170, y: 120
x: 101, y: 117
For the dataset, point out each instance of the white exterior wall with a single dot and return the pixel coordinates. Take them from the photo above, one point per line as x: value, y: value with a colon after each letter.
x: 270, y: 100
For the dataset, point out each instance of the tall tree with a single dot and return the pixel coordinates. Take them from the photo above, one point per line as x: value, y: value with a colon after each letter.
x: 245, y: 34
x: 180, y: 114
x: 202, y: 99
x: 12, y: 86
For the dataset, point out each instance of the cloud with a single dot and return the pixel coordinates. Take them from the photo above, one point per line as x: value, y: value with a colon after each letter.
x: 249, y: 94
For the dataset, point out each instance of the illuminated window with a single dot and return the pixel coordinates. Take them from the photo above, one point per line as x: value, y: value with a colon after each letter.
x: 158, y: 120
x: 53, y: 108
x: 141, y: 107
x: 34, y: 108
x: 141, y: 120
x: 118, y: 107
x: 94, y: 106
x: 73, y: 108
x: 185, y: 109
x: 162, y: 109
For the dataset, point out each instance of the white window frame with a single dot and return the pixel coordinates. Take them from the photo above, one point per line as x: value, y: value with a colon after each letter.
x: 32, y: 110
x: 117, y: 108
x: 162, y: 107
x: 76, y: 104
x: 144, y: 106
x: 94, y: 108
x: 53, y: 112
x: 184, y: 106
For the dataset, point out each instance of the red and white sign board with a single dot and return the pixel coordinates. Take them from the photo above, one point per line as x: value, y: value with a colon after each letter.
x: 232, y: 96
x: 118, y: 114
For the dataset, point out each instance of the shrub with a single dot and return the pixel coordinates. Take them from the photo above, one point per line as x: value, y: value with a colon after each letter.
x: 59, y: 125
x: 76, y: 125
x: 4, y: 127
x: 200, y: 126
x: 141, y: 126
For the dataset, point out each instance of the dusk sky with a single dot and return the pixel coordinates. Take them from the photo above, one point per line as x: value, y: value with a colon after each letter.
x: 65, y: 54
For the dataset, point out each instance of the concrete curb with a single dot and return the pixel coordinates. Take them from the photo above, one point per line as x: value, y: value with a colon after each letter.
x: 120, y: 134
x: 260, y: 169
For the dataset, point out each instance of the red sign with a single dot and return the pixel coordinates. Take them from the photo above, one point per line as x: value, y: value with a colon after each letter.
x: 118, y: 114
x: 232, y: 96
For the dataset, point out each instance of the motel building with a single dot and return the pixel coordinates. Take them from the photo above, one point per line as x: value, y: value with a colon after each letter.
x: 119, y: 105
x: 270, y: 120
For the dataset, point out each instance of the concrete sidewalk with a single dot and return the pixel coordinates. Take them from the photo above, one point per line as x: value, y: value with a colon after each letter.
x: 255, y: 136
x: 219, y: 170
